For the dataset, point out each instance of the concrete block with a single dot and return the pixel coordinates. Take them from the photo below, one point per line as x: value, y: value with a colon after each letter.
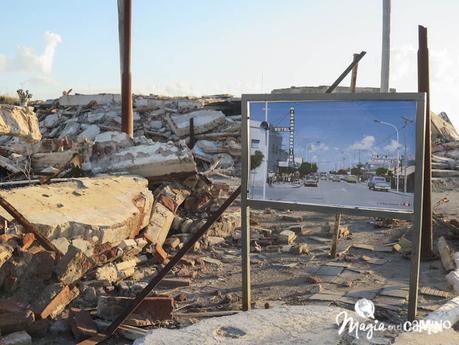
x: 19, y: 122
x: 204, y: 121
x: 101, y: 207
x: 151, y: 161
x: 16, y: 338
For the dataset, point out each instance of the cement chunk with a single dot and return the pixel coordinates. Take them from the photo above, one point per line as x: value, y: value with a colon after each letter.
x: 101, y: 207
x: 17, y: 338
x: 204, y: 121
x: 19, y: 122
x: 156, y: 160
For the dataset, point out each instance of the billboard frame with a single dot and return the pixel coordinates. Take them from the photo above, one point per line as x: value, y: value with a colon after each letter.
x: 415, y: 216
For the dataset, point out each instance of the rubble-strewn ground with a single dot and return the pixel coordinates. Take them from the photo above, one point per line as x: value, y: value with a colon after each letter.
x: 116, y: 209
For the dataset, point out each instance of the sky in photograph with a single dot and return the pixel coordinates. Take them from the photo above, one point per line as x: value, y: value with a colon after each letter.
x: 335, y: 134
x: 228, y: 46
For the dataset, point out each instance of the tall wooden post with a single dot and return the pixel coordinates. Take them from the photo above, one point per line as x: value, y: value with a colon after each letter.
x: 354, y: 74
x: 424, y: 86
x: 124, y: 29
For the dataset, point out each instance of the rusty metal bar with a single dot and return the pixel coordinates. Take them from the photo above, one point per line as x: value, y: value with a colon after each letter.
x: 343, y: 75
x: 47, y: 244
x: 192, y: 135
x: 161, y: 274
x: 124, y: 27
x: 424, y: 86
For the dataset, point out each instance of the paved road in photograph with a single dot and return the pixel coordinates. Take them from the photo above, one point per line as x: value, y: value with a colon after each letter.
x: 336, y: 194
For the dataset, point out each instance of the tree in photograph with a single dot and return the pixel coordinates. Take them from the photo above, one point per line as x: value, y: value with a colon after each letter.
x: 383, y: 172
x: 342, y: 172
x: 307, y: 168
x: 357, y: 171
x: 256, y: 159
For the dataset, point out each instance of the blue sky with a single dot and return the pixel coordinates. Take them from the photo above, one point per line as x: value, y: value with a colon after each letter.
x: 232, y: 46
x: 334, y: 133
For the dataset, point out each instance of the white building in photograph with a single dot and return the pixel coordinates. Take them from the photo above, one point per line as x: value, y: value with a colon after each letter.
x: 259, y: 141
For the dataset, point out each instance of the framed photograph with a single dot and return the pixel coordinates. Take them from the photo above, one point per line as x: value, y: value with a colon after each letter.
x: 358, y: 153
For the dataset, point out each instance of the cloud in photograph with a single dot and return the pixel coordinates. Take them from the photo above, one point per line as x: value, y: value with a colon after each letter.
x: 318, y: 147
x: 28, y: 61
x: 393, y: 146
x: 366, y: 143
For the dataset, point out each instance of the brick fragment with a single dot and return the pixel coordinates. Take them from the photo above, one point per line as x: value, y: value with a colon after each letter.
x: 82, y: 324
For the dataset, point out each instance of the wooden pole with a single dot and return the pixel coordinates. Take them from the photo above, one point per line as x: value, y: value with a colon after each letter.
x: 424, y: 86
x: 335, y: 235
x: 354, y: 74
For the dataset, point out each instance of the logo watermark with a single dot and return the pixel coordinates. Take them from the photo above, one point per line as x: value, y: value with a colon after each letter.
x: 366, y: 310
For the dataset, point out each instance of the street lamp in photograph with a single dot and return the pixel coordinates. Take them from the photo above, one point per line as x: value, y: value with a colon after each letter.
x: 397, y: 166
x: 266, y: 127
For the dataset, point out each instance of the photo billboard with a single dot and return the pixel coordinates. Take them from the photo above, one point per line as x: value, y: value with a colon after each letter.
x: 354, y: 151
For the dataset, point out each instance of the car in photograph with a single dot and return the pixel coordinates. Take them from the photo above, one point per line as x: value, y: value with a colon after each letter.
x: 352, y: 179
x: 311, y: 181
x: 378, y: 183
x: 335, y: 178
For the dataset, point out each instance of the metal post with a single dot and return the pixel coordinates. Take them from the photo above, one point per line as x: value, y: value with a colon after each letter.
x: 245, y: 212
x: 424, y: 86
x: 246, y: 285
x: 124, y: 28
x: 267, y: 152
x: 385, y: 53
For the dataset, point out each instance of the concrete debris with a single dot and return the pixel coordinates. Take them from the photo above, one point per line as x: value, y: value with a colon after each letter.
x: 118, y: 208
x: 17, y: 338
x: 101, y: 209
x: 19, y: 122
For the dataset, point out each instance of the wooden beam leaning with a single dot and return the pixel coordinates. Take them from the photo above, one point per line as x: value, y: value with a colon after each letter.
x: 343, y: 75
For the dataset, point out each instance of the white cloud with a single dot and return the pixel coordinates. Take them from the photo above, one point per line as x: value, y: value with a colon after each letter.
x: 393, y: 146
x: 366, y: 143
x: 318, y: 147
x: 28, y: 61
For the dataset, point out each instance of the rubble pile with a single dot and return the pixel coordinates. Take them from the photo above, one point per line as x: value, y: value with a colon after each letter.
x: 114, y: 208
x: 445, y: 148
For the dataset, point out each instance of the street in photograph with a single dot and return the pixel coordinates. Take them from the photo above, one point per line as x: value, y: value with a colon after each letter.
x: 334, y: 153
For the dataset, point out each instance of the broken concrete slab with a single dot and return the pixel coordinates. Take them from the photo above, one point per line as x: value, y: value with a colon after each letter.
x: 98, y: 209
x: 204, y: 121
x: 16, y: 338
x: 19, y: 122
x: 294, y: 325
x: 151, y: 161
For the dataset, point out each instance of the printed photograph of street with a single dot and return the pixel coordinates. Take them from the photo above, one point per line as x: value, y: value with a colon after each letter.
x: 334, y: 153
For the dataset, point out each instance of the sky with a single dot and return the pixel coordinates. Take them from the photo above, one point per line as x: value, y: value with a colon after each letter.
x: 335, y: 134
x: 229, y: 46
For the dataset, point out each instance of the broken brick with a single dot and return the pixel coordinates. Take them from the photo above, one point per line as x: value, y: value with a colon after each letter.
x: 14, y: 316
x: 159, y: 255
x: 82, y: 324
x: 59, y: 302
x: 27, y: 240
x: 153, y: 308
x: 72, y: 266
